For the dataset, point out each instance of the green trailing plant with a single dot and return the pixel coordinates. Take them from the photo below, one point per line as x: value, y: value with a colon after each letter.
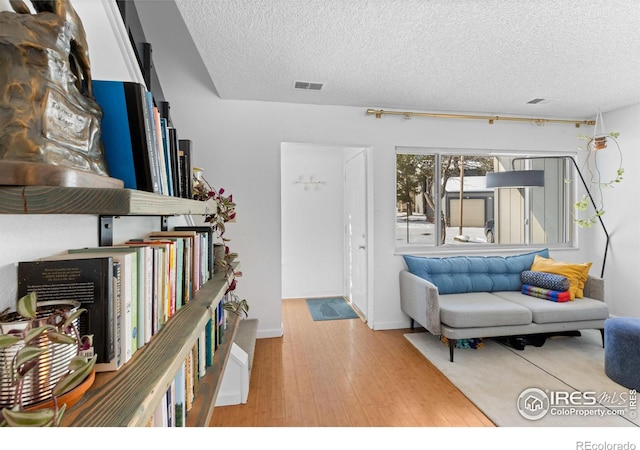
x: 60, y: 328
x: 223, y: 210
x: 594, y: 145
x: 237, y: 306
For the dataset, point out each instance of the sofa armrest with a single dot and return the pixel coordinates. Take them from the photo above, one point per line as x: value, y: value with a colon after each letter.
x: 594, y: 288
x: 419, y: 300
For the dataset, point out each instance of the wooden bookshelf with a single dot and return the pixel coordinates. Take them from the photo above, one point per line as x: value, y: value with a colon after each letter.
x: 129, y: 396
x: 205, y: 399
x: 99, y: 201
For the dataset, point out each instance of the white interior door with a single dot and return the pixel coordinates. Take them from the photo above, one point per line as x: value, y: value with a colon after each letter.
x: 356, y: 231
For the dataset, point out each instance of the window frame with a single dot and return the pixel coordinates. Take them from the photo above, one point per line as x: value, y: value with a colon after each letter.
x: 569, y: 199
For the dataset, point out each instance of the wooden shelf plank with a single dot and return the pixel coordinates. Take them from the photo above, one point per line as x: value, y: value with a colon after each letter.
x: 129, y: 396
x: 99, y: 201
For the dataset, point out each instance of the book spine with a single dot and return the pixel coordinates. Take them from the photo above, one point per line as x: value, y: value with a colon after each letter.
x: 117, y: 306
x: 112, y: 319
x: 202, y: 351
x: 150, y: 137
x: 115, y: 362
x: 186, y: 172
x: 164, y: 132
x: 137, y: 129
x: 209, y: 336
x: 155, y: 118
x: 141, y: 296
x: 175, y: 163
x: 133, y: 269
x: 148, y: 303
x: 127, y: 325
x: 180, y: 382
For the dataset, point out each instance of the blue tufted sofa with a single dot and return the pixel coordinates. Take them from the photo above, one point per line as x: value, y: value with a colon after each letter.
x: 462, y: 297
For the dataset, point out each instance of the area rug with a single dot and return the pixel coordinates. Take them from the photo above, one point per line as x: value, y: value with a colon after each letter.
x: 330, y: 308
x: 560, y: 384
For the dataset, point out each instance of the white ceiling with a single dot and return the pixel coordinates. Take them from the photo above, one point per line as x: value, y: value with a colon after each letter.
x: 476, y: 56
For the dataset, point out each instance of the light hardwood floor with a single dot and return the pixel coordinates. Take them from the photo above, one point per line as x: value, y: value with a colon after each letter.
x: 340, y: 373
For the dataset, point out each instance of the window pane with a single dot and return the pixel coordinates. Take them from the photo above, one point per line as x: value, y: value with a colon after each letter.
x: 460, y: 210
x: 415, y: 209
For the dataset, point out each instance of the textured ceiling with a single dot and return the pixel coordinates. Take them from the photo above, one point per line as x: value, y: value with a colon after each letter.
x: 478, y: 56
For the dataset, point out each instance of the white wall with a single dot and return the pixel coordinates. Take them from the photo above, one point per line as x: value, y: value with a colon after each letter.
x: 239, y: 142
x: 112, y: 57
x: 622, y: 216
x: 312, y: 221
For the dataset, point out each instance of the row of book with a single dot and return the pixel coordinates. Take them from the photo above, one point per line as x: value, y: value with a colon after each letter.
x: 178, y: 400
x: 130, y: 290
x: 141, y: 147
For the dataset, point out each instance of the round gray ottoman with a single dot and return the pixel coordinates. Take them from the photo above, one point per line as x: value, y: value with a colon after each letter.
x: 622, y: 351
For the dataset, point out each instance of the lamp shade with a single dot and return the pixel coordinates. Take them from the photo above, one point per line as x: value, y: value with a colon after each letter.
x: 515, y: 179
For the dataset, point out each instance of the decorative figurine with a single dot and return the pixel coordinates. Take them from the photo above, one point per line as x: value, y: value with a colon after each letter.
x: 49, y: 120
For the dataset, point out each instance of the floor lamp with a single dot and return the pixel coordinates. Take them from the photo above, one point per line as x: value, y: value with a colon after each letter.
x: 532, y: 178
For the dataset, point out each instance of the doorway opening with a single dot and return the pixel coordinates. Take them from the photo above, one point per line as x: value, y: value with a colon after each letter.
x: 325, y: 224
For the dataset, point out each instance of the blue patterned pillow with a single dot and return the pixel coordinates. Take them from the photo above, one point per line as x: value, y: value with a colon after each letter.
x: 545, y: 280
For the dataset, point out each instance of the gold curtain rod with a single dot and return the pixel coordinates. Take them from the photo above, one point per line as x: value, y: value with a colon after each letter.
x: 538, y: 121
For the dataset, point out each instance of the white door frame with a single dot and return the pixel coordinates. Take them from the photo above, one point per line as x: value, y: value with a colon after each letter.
x: 368, y: 220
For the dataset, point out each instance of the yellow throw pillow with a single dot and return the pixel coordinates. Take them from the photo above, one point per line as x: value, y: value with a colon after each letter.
x: 576, y: 273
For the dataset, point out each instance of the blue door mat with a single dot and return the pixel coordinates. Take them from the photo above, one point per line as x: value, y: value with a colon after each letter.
x: 330, y: 308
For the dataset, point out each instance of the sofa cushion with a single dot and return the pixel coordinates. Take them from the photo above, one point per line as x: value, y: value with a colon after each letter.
x: 544, y: 311
x: 458, y: 274
x: 481, y: 309
x: 545, y: 280
x: 576, y: 273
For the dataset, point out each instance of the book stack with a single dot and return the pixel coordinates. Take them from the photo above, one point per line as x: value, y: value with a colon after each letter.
x: 174, y: 407
x: 130, y: 290
x: 140, y: 145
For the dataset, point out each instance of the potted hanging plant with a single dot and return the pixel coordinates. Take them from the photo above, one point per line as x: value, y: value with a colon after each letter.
x: 223, y: 210
x: 41, y: 361
x: 595, y: 144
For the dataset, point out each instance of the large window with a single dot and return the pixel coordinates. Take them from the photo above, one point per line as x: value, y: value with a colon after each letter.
x: 442, y: 199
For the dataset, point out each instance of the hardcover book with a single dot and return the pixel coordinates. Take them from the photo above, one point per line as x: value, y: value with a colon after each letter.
x: 164, y: 132
x: 176, y: 270
x: 175, y: 163
x: 207, y: 246
x: 115, y: 362
x: 190, y: 260
x: 128, y: 293
x: 123, y: 132
x: 156, y: 139
x: 88, y: 281
x: 162, y: 250
x: 181, y: 395
x: 143, y: 292
x: 186, y: 174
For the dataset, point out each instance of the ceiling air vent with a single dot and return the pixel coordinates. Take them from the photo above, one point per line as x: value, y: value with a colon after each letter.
x: 541, y: 101
x: 308, y: 86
